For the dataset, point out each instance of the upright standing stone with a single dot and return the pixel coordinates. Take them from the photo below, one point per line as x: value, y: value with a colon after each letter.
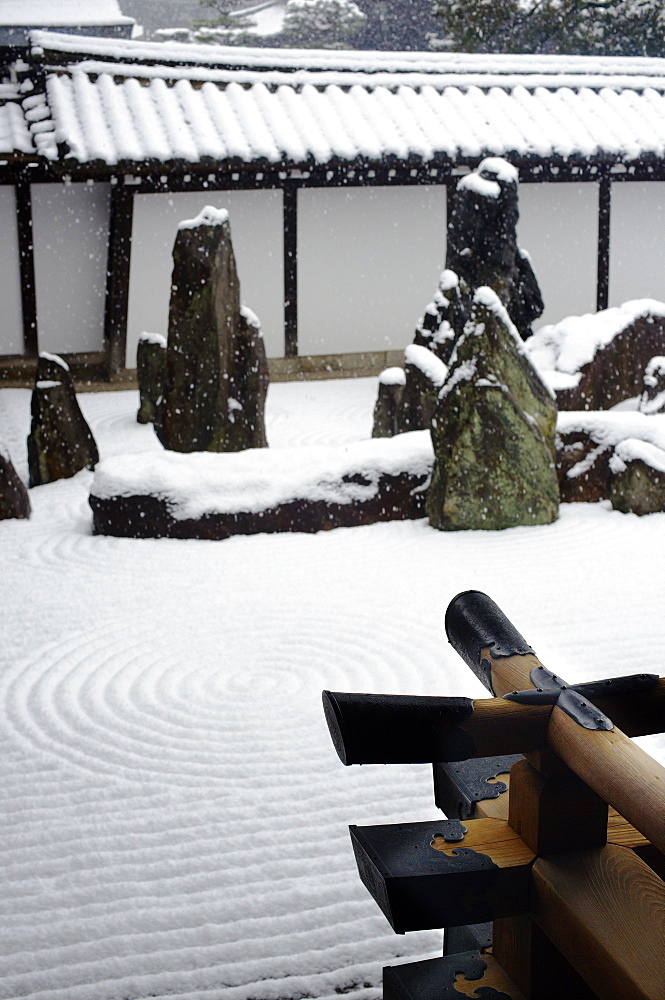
x: 482, y: 246
x: 434, y: 329
x: 493, y: 431
x: 60, y: 442
x: 215, y: 380
x: 388, y: 400
x: 250, y: 387
x: 425, y: 373
x: 14, y: 498
x: 150, y: 364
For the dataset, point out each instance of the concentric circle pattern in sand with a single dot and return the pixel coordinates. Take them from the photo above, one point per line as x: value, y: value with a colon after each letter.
x: 149, y: 703
x: 186, y: 835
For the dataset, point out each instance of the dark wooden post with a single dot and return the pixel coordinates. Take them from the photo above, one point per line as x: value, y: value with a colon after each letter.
x: 603, y: 273
x: 290, y: 210
x: 26, y: 259
x: 117, y: 278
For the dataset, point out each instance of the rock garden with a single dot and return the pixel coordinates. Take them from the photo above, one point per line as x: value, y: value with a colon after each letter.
x: 486, y: 425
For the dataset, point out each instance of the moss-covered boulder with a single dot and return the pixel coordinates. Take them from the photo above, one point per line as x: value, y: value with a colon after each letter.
x: 215, y: 379
x: 637, y: 485
x: 493, y: 431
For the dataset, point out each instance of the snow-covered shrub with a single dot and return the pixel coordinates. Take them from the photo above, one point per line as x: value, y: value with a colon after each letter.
x: 321, y: 23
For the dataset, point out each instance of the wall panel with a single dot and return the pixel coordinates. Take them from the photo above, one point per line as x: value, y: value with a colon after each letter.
x: 368, y: 264
x: 11, y: 318
x: 637, y: 241
x: 70, y: 226
x: 559, y: 227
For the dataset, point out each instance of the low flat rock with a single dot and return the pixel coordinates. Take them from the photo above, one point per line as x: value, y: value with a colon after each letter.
x: 596, y: 361
x: 615, y: 455
x: 215, y: 495
x: 637, y: 485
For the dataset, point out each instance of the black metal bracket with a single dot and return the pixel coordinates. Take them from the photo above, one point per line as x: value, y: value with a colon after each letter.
x: 460, y: 784
x: 575, y: 699
x: 435, y: 979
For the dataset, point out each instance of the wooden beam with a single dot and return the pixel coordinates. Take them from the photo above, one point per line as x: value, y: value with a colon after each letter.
x: 117, y: 277
x: 605, y: 911
x: 290, y: 209
x: 400, y: 729
x: 26, y: 260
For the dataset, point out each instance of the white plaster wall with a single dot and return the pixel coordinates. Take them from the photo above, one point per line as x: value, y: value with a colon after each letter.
x: 558, y: 225
x: 637, y: 241
x: 11, y: 314
x: 257, y: 232
x: 71, y: 227
x: 368, y: 263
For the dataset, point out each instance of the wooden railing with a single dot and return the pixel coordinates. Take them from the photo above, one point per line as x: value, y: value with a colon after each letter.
x: 548, y: 883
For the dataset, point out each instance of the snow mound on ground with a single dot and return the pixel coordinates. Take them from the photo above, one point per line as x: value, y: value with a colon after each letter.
x: 260, y: 479
x: 610, y: 427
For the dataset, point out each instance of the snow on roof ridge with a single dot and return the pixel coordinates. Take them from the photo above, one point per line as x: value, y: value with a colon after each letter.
x: 346, y: 78
x: 368, y: 62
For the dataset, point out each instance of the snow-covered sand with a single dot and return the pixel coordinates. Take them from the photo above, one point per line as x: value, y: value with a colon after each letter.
x: 174, y: 814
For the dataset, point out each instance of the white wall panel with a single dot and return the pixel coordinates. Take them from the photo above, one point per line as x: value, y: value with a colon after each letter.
x: 637, y: 241
x: 71, y: 227
x: 256, y: 229
x: 11, y: 316
x: 368, y: 264
x: 559, y: 227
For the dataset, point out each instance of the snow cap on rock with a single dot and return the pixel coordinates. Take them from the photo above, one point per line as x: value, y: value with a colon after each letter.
x: 208, y: 216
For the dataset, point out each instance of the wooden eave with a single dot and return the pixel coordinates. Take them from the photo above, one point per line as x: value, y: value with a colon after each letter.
x: 261, y: 173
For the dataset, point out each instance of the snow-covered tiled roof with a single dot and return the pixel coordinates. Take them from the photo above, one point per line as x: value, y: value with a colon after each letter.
x: 123, y: 101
